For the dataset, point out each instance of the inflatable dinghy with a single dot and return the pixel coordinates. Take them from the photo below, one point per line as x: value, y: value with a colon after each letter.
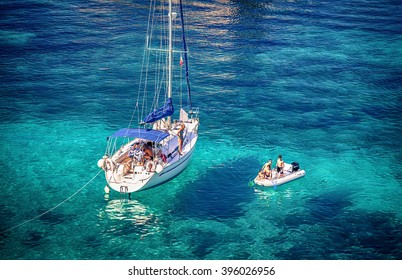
x: 291, y: 172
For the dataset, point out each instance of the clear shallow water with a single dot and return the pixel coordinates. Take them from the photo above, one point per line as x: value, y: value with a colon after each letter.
x: 318, y: 82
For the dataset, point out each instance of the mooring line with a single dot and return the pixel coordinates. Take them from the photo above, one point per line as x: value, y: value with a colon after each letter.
x: 51, y: 209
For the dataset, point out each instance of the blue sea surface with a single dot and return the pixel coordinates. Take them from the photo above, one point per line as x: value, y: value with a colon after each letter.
x: 319, y: 82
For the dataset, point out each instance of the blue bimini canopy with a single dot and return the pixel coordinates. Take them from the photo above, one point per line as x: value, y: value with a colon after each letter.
x: 164, y: 111
x: 146, y: 134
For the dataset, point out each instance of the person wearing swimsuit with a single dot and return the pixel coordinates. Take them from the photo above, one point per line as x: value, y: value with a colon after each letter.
x: 180, y: 135
x: 266, y: 172
x: 279, y: 166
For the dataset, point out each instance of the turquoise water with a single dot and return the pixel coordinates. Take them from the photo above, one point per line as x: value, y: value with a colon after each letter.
x: 318, y: 82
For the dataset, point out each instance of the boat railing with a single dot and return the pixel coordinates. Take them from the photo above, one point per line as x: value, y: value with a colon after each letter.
x: 194, y: 111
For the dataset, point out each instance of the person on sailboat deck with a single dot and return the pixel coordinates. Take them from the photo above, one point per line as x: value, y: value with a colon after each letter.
x: 266, y: 172
x: 280, y: 165
x: 180, y: 135
x: 134, y: 149
x: 136, y: 153
x: 148, y: 154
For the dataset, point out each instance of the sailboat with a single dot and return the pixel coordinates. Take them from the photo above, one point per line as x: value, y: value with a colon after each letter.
x: 158, y: 143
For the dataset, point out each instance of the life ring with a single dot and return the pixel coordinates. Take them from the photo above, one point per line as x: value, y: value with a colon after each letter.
x: 110, y: 165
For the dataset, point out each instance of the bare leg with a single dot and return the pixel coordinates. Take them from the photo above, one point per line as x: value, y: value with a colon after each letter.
x: 180, y: 145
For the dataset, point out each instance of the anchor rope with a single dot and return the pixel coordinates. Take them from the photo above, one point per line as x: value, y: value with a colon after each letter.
x: 51, y: 209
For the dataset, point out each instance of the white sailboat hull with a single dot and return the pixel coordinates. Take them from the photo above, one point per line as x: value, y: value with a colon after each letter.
x: 151, y: 179
x: 125, y: 175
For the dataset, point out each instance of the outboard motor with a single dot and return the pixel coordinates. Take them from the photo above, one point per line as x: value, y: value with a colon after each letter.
x: 295, y: 166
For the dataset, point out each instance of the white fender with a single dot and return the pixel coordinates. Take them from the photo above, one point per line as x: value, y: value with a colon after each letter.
x: 107, y: 189
x: 101, y: 163
x: 159, y: 168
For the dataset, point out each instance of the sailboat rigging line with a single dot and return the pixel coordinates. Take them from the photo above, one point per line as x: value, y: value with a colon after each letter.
x: 164, y: 50
x: 158, y: 79
x: 51, y: 209
x: 161, y: 55
x: 185, y: 54
x: 138, y: 95
x: 147, y: 43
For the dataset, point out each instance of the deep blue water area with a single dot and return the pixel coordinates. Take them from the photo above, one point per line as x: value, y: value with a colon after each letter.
x: 319, y: 82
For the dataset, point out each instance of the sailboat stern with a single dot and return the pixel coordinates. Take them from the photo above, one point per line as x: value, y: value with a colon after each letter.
x: 131, y: 182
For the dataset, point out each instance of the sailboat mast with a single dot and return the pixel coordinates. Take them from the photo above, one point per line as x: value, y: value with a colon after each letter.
x: 170, y: 54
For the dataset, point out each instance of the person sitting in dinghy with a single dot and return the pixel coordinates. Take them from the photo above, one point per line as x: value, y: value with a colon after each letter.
x: 266, y: 172
x: 280, y: 164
